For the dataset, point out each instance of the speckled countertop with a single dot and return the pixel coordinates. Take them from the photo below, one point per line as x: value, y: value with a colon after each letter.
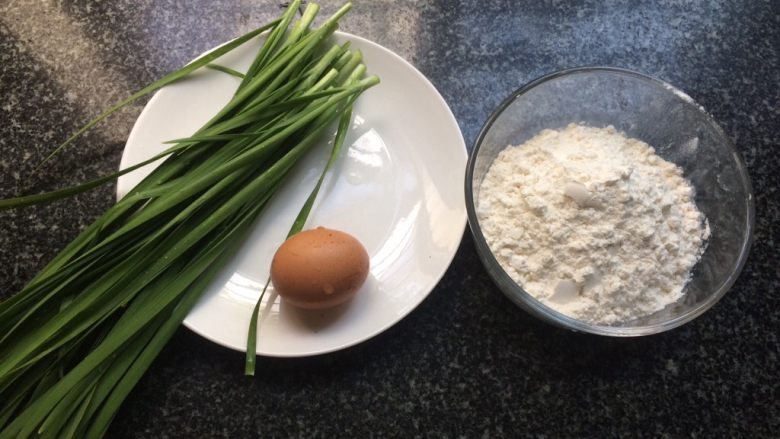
x: 466, y: 363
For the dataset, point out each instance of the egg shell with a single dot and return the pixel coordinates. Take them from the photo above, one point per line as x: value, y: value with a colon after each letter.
x: 319, y: 268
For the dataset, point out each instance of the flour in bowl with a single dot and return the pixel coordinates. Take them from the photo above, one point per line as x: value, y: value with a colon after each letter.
x: 592, y: 223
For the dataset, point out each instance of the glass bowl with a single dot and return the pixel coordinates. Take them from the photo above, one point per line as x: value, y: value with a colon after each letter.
x: 660, y: 115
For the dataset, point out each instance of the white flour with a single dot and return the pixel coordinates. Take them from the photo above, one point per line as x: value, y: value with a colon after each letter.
x: 592, y: 223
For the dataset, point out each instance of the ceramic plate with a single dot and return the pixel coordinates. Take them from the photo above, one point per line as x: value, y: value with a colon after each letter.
x: 398, y: 188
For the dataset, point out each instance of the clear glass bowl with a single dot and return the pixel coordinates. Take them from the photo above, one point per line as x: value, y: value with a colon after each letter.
x: 665, y: 118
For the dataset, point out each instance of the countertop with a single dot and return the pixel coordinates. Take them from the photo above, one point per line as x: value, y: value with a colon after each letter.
x: 466, y: 362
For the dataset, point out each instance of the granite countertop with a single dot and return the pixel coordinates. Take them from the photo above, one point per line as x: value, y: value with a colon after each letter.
x: 466, y: 362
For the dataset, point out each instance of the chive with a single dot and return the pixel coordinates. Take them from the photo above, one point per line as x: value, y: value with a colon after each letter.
x: 80, y: 335
x: 224, y: 69
x: 10, y: 203
x: 162, y: 82
x: 300, y: 221
x: 270, y: 43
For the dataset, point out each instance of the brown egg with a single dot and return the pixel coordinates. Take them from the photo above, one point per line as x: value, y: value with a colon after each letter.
x: 319, y: 268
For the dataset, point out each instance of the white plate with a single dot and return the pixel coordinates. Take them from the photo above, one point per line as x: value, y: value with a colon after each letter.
x: 398, y: 188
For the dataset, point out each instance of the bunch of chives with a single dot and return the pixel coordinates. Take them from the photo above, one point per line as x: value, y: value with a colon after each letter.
x: 79, y: 336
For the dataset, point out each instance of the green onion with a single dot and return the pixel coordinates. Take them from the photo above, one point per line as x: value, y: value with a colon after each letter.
x: 79, y: 336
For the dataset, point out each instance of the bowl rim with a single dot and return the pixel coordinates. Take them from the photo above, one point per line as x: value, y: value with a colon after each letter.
x: 530, y: 304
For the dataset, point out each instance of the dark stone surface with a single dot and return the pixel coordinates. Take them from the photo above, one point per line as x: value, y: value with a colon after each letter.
x: 466, y: 362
